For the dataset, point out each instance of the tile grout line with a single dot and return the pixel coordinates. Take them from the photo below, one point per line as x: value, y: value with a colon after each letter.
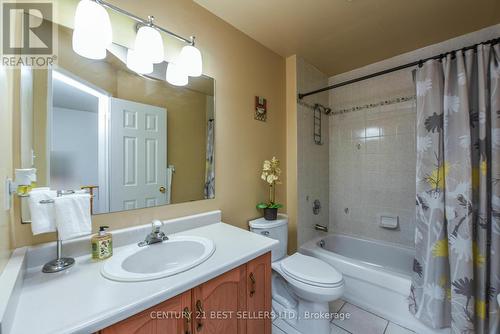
x: 342, y: 328
x: 371, y: 313
x: 338, y: 312
x: 386, y: 326
x: 340, y: 309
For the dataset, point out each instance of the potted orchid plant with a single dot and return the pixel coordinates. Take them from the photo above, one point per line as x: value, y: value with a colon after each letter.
x: 271, y: 175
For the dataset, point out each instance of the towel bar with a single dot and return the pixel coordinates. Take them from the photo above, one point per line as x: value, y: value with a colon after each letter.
x: 60, y: 263
x: 61, y: 193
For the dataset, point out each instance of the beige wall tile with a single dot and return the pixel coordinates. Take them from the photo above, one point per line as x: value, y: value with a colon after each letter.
x: 312, y: 159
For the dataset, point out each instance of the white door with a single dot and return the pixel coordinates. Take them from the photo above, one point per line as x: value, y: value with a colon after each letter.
x: 138, y: 155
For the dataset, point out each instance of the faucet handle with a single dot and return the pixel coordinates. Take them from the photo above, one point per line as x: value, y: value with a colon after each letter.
x: 157, y: 224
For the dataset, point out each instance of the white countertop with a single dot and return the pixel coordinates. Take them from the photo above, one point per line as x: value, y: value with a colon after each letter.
x: 81, y: 300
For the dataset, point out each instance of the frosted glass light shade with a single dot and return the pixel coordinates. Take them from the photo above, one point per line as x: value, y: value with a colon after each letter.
x: 176, y: 75
x: 85, y: 47
x: 190, y: 60
x: 137, y: 64
x: 93, y: 33
x: 149, y: 44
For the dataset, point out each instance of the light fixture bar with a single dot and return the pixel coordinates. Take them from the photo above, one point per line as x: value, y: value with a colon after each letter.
x: 147, y: 22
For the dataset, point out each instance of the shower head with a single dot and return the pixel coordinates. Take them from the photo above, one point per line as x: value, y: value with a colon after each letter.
x: 328, y: 111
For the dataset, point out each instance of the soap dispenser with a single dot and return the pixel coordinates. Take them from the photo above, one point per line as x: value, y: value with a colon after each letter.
x: 102, y: 244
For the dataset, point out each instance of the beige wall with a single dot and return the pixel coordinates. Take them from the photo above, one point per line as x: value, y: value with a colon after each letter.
x: 98, y: 72
x: 242, y: 69
x: 5, y: 161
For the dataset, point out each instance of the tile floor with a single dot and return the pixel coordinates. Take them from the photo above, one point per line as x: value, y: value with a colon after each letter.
x: 362, y: 322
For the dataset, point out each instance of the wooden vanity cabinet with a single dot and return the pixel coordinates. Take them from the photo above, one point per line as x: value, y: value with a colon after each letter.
x: 258, y: 272
x: 216, y: 304
x: 164, y: 318
x: 236, y: 302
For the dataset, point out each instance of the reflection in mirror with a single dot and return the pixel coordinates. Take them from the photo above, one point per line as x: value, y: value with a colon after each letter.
x: 135, y: 141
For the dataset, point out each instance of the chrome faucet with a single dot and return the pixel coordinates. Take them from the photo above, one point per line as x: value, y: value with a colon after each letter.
x: 155, y: 236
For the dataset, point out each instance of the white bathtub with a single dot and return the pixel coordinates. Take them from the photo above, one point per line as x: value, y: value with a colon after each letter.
x: 377, y: 275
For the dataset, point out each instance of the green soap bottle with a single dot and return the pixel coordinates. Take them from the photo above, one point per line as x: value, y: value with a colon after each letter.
x: 102, y: 244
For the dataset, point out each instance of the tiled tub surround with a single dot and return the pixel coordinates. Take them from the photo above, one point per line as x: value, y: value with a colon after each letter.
x: 38, y: 306
x: 379, y: 177
x: 312, y: 159
x: 372, y: 171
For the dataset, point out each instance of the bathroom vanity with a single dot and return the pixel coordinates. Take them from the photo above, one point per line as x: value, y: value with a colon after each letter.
x: 234, y: 281
x: 238, y: 301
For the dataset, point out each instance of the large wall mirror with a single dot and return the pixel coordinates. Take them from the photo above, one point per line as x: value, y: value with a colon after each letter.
x: 136, y: 140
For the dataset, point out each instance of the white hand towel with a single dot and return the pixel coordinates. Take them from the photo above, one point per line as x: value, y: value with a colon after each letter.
x: 42, y: 215
x: 73, y: 215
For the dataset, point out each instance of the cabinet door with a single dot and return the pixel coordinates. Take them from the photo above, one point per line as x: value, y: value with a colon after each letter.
x: 216, y: 304
x: 259, y: 295
x: 168, y: 317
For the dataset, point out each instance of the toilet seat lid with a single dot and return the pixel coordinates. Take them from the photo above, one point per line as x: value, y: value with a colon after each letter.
x: 311, y: 270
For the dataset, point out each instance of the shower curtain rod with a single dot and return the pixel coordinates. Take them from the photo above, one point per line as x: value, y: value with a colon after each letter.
x: 394, y: 69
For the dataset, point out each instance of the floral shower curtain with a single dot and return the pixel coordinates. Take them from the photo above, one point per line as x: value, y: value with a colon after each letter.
x: 457, y: 264
x: 209, y: 162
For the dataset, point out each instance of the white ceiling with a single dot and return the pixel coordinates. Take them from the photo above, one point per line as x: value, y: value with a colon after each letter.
x: 339, y: 35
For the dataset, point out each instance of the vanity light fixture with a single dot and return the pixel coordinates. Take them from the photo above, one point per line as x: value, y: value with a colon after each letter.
x: 176, y: 75
x: 137, y: 63
x: 149, y: 44
x: 92, y: 35
x: 190, y: 60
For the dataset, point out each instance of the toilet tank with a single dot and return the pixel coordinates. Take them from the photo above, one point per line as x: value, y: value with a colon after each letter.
x: 275, y: 229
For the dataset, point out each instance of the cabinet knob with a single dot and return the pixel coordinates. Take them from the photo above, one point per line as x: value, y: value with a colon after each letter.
x: 200, y: 314
x: 187, y: 320
x: 252, y: 284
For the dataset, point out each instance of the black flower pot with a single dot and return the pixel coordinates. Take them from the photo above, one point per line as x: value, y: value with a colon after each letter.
x: 270, y: 213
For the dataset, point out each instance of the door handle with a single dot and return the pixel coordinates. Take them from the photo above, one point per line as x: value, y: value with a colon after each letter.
x: 200, y: 314
x: 253, y: 283
x: 162, y: 189
x: 187, y: 320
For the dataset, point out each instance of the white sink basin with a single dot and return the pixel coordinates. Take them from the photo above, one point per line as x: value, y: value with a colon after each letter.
x: 159, y: 260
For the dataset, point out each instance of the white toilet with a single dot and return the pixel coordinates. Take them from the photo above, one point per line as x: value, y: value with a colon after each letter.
x: 302, y: 286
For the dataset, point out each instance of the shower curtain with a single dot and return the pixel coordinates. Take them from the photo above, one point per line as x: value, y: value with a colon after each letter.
x: 209, y: 162
x: 457, y: 264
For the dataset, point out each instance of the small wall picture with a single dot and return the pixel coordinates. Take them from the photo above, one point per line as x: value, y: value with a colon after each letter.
x: 260, y: 108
